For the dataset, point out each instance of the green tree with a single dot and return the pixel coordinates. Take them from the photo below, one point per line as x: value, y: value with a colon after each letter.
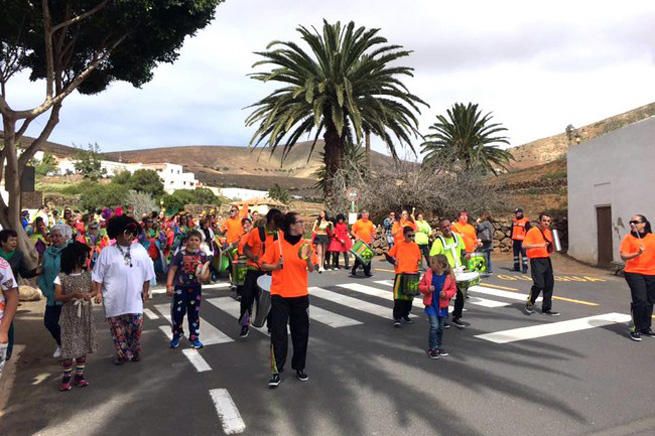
x: 88, y: 163
x: 180, y: 198
x: 347, y: 85
x: 205, y: 196
x: 147, y: 181
x: 142, y: 203
x: 277, y: 192
x: 95, y: 195
x: 122, y: 178
x: 466, y: 140
x: 81, y: 45
x: 45, y: 166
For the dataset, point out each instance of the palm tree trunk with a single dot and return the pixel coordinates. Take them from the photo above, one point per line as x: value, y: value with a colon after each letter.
x: 367, y: 145
x: 333, y: 158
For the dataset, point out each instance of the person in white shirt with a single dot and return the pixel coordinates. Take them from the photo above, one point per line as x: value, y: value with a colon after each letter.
x: 8, y: 305
x: 122, y: 276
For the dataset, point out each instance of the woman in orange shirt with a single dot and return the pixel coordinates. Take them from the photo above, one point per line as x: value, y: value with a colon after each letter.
x: 638, y: 252
x: 289, y: 260
x: 406, y: 257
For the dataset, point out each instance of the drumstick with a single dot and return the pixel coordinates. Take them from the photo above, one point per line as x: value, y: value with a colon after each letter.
x: 279, y: 245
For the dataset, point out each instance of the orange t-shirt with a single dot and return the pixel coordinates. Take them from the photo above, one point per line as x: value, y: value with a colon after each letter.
x: 234, y: 229
x: 255, y: 243
x: 291, y: 280
x: 534, y: 236
x: 468, y: 234
x: 364, y: 230
x: 397, y: 229
x: 644, y: 263
x: 518, y: 228
x: 407, y: 255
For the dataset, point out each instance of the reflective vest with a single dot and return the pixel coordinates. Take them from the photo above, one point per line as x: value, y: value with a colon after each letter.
x: 519, y: 228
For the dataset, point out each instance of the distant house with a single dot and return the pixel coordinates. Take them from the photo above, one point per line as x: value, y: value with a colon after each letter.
x: 610, y: 178
x: 173, y: 176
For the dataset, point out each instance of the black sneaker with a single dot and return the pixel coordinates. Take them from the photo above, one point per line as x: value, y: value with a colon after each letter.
x: 648, y: 332
x: 550, y: 312
x: 408, y: 320
x: 244, y: 331
x: 433, y: 353
x: 274, y: 381
x: 446, y: 325
x: 369, y: 275
x: 442, y: 352
x: 302, y: 375
x: 459, y: 323
x: 396, y: 323
x: 635, y: 336
x: 529, y: 308
x: 525, y: 270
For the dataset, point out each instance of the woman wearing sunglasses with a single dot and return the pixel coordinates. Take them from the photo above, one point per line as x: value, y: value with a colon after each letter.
x: 638, y: 251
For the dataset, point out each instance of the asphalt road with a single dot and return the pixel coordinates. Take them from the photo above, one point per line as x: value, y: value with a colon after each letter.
x: 563, y: 375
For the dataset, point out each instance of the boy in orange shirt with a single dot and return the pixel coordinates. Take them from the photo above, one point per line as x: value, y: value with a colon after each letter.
x: 538, y: 244
x: 405, y: 255
x: 363, y: 230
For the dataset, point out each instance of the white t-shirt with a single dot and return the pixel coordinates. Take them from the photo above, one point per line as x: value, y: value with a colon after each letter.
x: 122, y: 284
x: 7, y: 282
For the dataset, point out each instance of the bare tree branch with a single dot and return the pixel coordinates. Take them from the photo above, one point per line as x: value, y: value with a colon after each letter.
x: 81, y: 17
x: 36, y: 145
x: 49, y: 56
x: 20, y: 132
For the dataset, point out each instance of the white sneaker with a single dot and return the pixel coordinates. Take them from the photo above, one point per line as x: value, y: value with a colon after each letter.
x: 320, y: 269
x: 57, y: 353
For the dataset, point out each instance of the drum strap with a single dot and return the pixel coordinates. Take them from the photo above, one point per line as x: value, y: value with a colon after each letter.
x: 452, y: 248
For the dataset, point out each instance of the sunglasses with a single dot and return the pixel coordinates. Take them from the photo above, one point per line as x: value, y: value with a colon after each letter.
x: 636, y: 222
x: 411, y: 235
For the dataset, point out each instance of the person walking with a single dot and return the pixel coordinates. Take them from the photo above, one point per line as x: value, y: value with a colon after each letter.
x: 387, y: 226
x: 538, y: 244
x: 289, y: 260
x: 422, y: 238
x: 520, y: 226
x: 340, y: 242
x: 8, y: 306
x: 466, y: 231
x: 406, y: 258
x: 121, y: 277
x: 321, y: 229
x: 486, y: 235
x: 363, y: 230
x: 638, y: 251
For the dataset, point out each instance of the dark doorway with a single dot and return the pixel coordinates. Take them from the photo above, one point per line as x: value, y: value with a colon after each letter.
x: 604, y: 225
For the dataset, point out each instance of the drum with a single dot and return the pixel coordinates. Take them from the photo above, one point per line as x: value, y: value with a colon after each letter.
x: 362, y: 251
x: 477, y: 262
x: 263, y: 306
x: 239, y: 271
x: 409, y: 284
x: 466, y: 279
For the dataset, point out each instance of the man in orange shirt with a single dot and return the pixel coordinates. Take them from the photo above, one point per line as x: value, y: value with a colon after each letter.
x: 538, y: 244
x: 466, y: 231
x: 363, y: 230
x: 233, y: 227
x: 406, y: 257
x: 520, y: 225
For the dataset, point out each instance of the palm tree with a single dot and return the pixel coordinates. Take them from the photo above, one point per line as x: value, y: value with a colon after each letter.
x: 466, y: 140
x: 347, y: 84
x: 354, y: 167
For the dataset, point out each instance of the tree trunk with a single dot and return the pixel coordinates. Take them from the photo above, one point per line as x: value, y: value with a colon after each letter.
x: 367, y: 145
x: 333, y: 158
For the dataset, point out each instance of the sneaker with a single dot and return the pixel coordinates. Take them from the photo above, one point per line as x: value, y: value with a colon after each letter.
x: 80, y: 382
x: 118, y: 361
x: 529, y: 308
x: 408, y: 320
x: 57, y: 353
x: 274, y: 381
x: 635, y: 336
x: 550, y: 312
x: 369, y: 275
x: 302, y: 375
x: 442, y: 352
x: 446, y: 325
x: 320, y: 270
x: 65, y: 387
x: 433, y: 354
x: 648, y: 332
x: 244, y: 331
x: 459, y: 323
x: 175, y: 342
x: 525, y: 270
x: 396, y: 323
x: 136, y: 357
x: 196, y: 343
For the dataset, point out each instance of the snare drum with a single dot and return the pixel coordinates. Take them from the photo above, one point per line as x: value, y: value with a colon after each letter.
x: 466, y: 279
x: 263, y: 306
x: 362, y: 251
x: 239, y: 271
x: 409, y: 284
x: 477, y: 262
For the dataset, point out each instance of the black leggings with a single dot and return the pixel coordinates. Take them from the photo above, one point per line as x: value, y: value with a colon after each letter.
x: 295, y: 312
x: 642, y: 289
x: 51, y: 322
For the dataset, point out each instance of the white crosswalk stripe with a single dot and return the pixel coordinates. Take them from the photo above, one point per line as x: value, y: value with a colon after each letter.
x: 232, y: 307
x: 353, y: 303
x: 375, y: 292
x: 196, y: 360
x: 209, y: 335
x: 227, y: 411
x: 418, y: 302
x: 498, y: 293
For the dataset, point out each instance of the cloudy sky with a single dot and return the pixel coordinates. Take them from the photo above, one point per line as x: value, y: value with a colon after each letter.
x: 538, y: 66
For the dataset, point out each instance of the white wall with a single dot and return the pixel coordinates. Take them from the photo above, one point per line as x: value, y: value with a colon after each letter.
x: 617, y: 170
x: 242, y: 194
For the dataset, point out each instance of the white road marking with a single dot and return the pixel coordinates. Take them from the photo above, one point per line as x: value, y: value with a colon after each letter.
x: 385, y: 282
x: 196, y: 360
x: 221, y: 285
x: 227, y: 411
x: 353, y: 303
x: 555, y: 328
x: 232, y: 307
x: 498, y: 293
x: 375, y: 292
x: 156, y: 291
x: 150, y: 314
x: 486, y: 303
x: 209, y: 335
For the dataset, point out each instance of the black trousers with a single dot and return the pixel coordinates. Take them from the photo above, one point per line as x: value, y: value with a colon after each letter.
x: 295, y: 312
x: 249, y: 293
x: 51, y: 322
x: 401, y: 309
x: 425, y: 252
x: 459, y: 304
x: 542, y: 281
x: 517, y: 249
x: 642, y: 289
x: 367, y: 268
x: 335, y: 259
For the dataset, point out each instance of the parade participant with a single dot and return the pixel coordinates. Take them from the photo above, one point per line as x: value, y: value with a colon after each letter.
x: 289, y: 259
x: 74, y: 289
x: 340, y: 242
x: 638, y: 252
x: 363, y: 230
x: 258, y: 240
x: 96, y: 239
x: 185, y: 286
x: 60, y: 236
x: 232, y: 227
x: 538, y: 244
x: 387, y: 226
x: 438, y: 288
x: 9, y: 251
x: 486, y: 235
x: 39, y: 236
x: 466, y: 231
x: 208, y: 233
x: 8, y: 306
x: 405, y: 255
x: 423, y: 233
x: 406, y: 220
x: 451, y: 245
x: 520, y: 225
x: 122, y: 278
x: 321, y: 229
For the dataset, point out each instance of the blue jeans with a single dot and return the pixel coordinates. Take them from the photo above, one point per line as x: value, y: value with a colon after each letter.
x: 486, y: 249
x: 436, y: 331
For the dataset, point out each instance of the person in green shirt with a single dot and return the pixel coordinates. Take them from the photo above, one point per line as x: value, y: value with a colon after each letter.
x: 422, y: 238
x: 451, y: 245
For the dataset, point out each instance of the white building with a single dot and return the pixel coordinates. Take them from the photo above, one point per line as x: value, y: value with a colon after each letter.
x: 112, y: 167
x: 610, y: 178
x: 173, y: 176
x: 65, y: 166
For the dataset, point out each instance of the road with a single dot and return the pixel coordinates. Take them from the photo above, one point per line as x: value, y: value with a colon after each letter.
x: 507, y: 373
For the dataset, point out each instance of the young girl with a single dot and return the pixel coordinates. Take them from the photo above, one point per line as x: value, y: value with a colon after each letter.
x: 73, y: 287
x: 438, y: 288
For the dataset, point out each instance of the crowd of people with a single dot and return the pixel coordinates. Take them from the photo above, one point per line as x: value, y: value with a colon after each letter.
x: 109, y: 257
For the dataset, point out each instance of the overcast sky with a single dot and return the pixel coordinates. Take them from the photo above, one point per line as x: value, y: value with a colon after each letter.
x: 538, y: 66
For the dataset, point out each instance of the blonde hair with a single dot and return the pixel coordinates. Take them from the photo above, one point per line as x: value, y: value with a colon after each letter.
x: 443, y: 261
